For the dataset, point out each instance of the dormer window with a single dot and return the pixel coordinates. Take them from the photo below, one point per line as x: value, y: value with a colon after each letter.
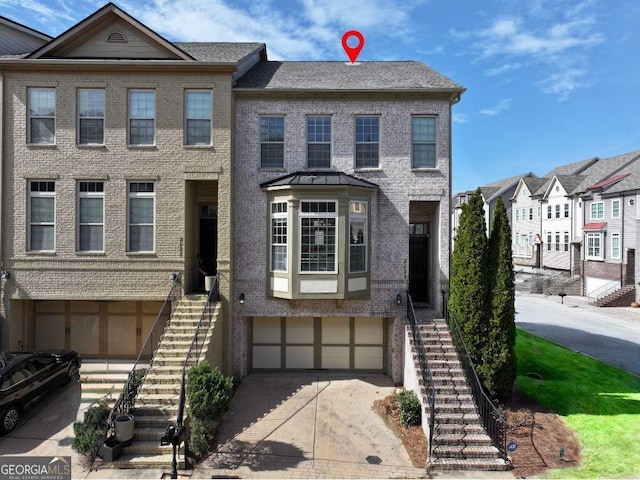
x: 117, y: 37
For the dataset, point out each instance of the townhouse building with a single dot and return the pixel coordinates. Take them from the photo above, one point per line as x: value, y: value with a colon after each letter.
x: 341, y: 195
x: 117, y: 148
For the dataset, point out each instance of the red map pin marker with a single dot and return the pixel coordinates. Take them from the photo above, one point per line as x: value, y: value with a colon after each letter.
x: 352, y: 52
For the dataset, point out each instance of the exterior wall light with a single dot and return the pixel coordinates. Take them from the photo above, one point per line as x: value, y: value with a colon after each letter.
x: 241, y: 298
x: 398, y: 299
x: 5, y: 275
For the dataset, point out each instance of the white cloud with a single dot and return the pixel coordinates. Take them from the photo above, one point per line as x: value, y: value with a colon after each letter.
x: 460, y: 118
x: 502, y: 106
x: 550, y: 36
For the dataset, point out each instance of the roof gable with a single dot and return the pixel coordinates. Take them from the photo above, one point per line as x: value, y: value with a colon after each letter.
x: 110, y: 33
x: 16, y: 38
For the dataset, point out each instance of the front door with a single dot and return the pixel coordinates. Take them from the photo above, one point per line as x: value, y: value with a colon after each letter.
x: 419, y: 263
x: 208, y: 240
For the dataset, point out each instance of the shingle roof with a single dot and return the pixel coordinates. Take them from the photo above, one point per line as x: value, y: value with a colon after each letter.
x: 570, y: 182
x: 219, y: 51
x: 572, y: 168
x: 631, y: 182
x: 534, y: 183
x: 408, y: 75
x: 324, y: 178
x: 604, y: 169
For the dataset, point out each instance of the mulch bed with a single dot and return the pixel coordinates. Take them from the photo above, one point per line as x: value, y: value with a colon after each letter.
x: 540, y: 436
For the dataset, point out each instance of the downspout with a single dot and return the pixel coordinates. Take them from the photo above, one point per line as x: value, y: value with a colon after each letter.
x: 3, y: 274
x: 622, y: 250
x: 445, y: 288
x: 571, y: 221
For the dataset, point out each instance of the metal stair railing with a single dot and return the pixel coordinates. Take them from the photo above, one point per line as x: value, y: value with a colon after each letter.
x: 427, y: 377
x: 603, y: 291
x: 126, y: 400
x: 493, y: 420
x: 192, y: 358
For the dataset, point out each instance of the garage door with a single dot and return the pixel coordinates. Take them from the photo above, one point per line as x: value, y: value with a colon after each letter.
x: 335, y: 343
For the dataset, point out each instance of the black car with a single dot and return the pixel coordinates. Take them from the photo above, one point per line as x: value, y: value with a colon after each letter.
x: 25, y: 377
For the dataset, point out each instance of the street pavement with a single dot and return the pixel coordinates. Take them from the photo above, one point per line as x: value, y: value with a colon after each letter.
x: 609, y: 334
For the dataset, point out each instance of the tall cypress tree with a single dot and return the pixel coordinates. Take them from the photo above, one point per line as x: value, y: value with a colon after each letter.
x: 468, y: 283
x: 497, y: 369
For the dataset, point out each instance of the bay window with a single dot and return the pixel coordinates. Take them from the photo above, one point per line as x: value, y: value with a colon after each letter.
x: 279, y: 241
x: 357, y: 237
x: 594, y: 246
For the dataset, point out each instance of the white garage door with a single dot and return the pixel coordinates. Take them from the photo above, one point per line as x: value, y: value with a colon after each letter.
x: 336, y: 343
x: 594, y: 285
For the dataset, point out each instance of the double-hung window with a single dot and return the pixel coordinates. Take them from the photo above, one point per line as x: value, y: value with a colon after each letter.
x: 367, y: 142
x: 548, y: 211
x: 597, y: 210
x: 517, y: 214
x: 549, y: 240
x: 615, y: 208
x: 279, y: 224
x: 530, y: 213
x: 594, y: 246
x: 558, y: 211
x: 557, y: 241
x: 42, y: 116
x: 319, y: 142
x: 423, y: 139
x: 318, y: 236
x: 566, y: 210
x: 615, y: 245
x: 141, y: 219
x: 198, y: 117
x: 42, y: 216
x: 90, y: 116
x: 90, y: 216
x: 142, y: 117
x: 357, y: 237
x: 272, y: 142
x: 566, y: 241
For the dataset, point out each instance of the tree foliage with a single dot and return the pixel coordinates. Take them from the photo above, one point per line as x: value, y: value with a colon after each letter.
x: 498, y: 366
x: 469, y: 277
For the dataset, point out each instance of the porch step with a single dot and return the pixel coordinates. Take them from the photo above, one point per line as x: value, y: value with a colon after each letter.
x: 480, y: 464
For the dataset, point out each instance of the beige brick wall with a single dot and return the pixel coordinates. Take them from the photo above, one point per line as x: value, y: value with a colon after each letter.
x: 399, y: 185
x: 114, y: 274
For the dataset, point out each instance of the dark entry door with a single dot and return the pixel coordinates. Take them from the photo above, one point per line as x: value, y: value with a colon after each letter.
x: 208, y: 245
x: 419, y: 263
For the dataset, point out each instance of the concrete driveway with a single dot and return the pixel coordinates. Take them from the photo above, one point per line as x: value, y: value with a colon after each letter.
x: 311, y: 425
x: 609, y: 334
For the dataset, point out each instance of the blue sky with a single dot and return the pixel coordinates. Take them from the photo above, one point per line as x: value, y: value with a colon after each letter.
x: 548, y: 82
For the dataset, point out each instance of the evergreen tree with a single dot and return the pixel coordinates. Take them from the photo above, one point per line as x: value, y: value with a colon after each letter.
x: 468, y: 283
x: 497, y: 368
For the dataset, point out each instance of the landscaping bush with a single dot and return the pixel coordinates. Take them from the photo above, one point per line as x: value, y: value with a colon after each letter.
x: 409, y: 404
x: 91, y: 432
x: 209, y: 394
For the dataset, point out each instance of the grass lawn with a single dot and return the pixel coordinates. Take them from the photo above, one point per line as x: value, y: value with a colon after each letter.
x: 598, y: 402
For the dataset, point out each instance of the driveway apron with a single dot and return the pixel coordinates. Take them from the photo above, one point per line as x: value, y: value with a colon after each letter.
x: 310, y: 425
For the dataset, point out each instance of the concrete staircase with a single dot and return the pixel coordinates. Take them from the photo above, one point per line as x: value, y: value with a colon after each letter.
x: 620, y: 298
x: 157, y: 402
x: 460, y: 441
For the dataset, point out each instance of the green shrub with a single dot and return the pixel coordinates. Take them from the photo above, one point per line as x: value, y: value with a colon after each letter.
x: 91, y: 432
x: 209, y: 394
x: 409, y: 404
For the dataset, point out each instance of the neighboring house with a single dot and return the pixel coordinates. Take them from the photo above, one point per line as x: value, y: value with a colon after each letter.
x: 526, y: 217
x: 116, y: 173
x: 490, y: 193
x: 342, y: 200
x: 16, y: 39
x: 610, y: 231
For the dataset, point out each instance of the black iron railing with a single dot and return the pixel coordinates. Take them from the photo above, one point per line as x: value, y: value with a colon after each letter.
x: 126, y: 400
x: 493, y: 420
x: 192, y: 358
x: 427, y: 377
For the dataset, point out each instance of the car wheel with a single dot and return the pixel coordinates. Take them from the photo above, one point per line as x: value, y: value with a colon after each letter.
x: 9, y: 419
x: 73, y: 372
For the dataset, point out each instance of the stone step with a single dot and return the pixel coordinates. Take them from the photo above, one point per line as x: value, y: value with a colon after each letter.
x: 462, y: 439
x: 461, y: 430
x: 150, y: 433
x: 128, y: 461
x: 157, y: 377
x: 147, y: 447
x: 144, y: 420
x: 453, y: 408
x: 156, y: 409
x: 144, y: 398
x: 483, y: 464
x: 457, y: 418
x: 148, y: 388
x: 468, y: 452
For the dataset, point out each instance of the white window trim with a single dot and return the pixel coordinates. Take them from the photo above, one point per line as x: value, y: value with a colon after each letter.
x: 273, y: 216
x: 616, y: 235
x: 356, y: 143
x: 619, y: 202
x: 186, y: 118
x: 133, y: 195
x: 30, y: 223
x: 517, y: 214
x: 302, y: 215
x: 129, y: 117
x: 594, y: 235
x: 78, y: 118
x: 434, y: 143
x: 360, y: 216
x: 30, y: 117
x: 260, y: 142
x: 591, y: 211
x: 89, y: 195
x: 566, y: 210
x: 330, y: 142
